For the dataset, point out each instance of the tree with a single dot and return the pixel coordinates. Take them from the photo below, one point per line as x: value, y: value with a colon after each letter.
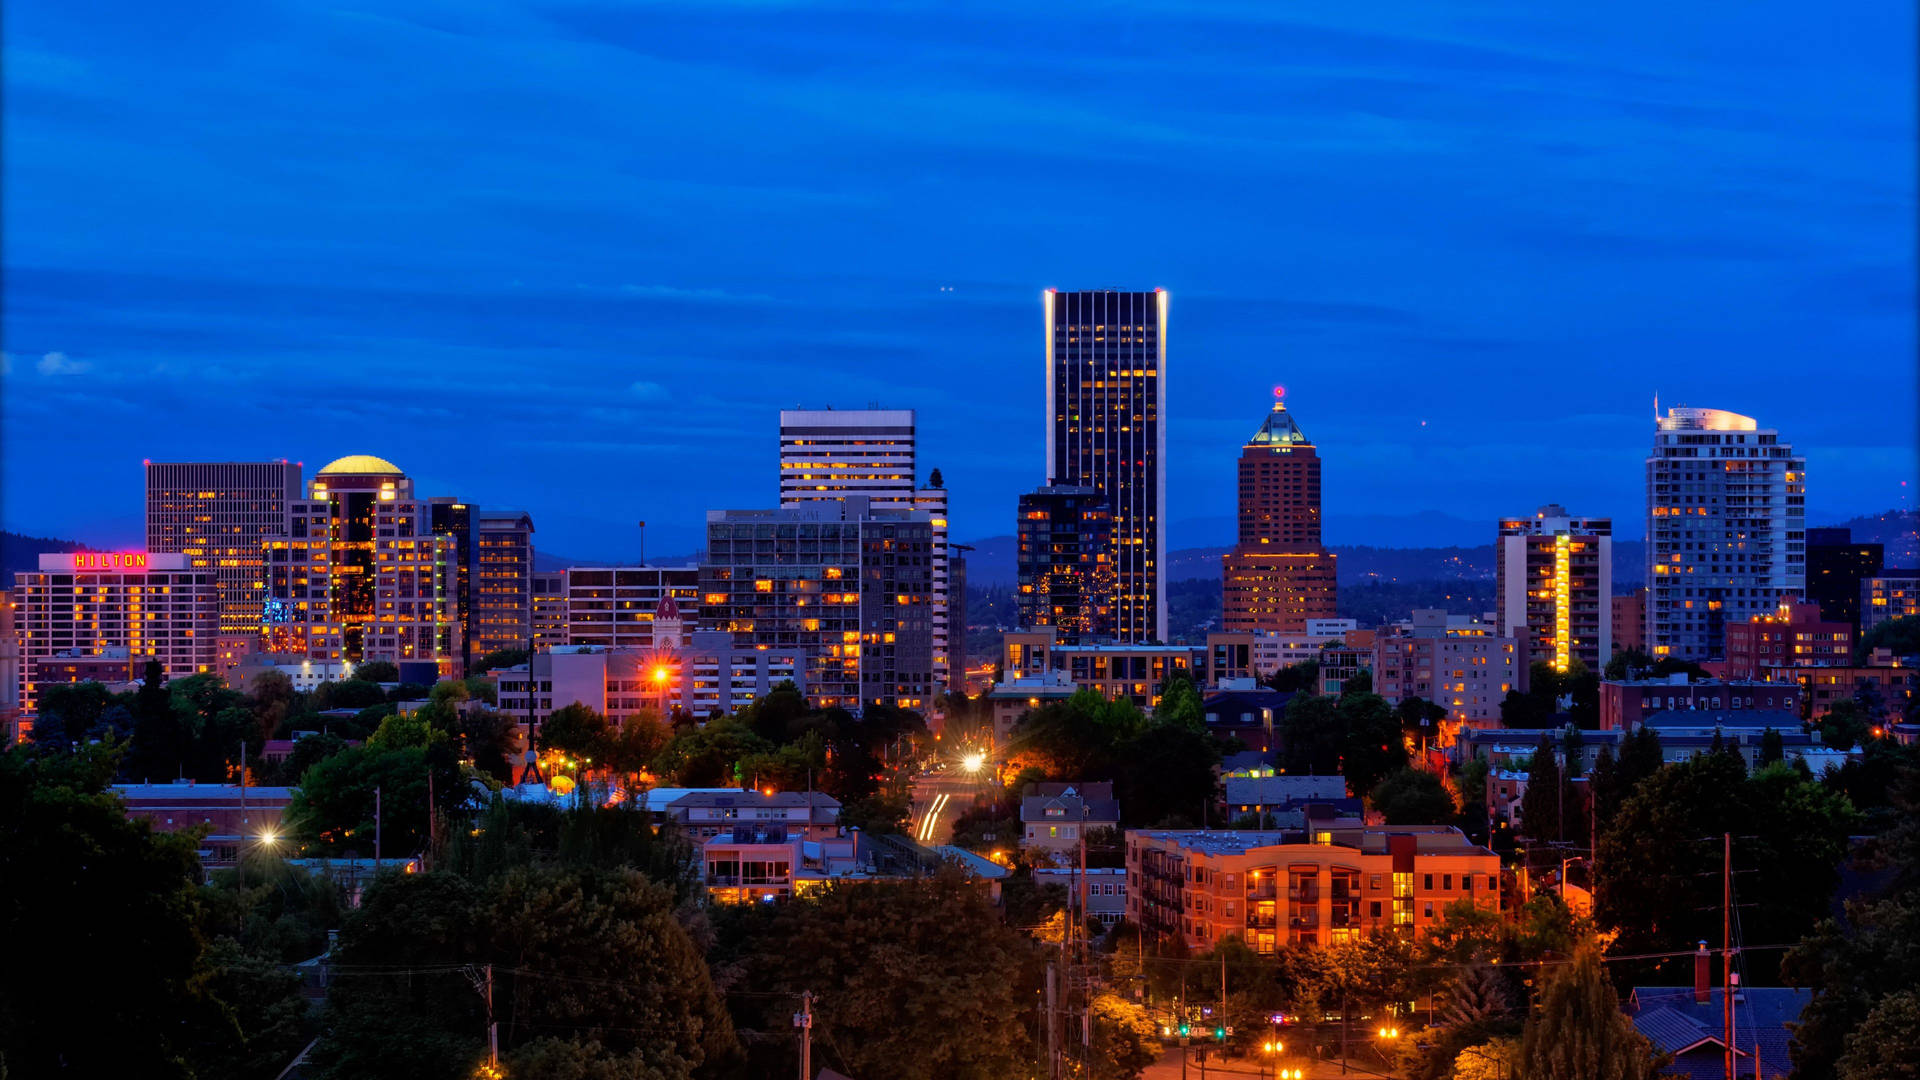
x: 928, y: 981
x: 1579, y: 1032
x: 377, y: 671
x: 1844, y: 726
x: 1419, y: 719
x: 1413, y: 797
x: 1166, y: 770
x: 252, y: 1017
x: 1771, y: 748
x: 1374, y: 745
x: 1360, y: 682
x: 576, y: 731
x: 86, y: 891
x: 1301, y: 678
x: 1125, y: 1038
x: 68, y: 711
x: 1901, y: 636
x: 1886, y: 1046
x: 1311, y: 736
x: 499, y: 658
x: 348, y: 694
x: 308, y: 751
x: 1626, y: 664
x: 1851, y: 968
x: 1495, y: 1059
x: 1540, y: 806
x: 1180, y: 704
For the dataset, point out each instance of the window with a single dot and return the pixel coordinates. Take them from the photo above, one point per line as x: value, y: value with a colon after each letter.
x: 1426, y: 884
x: 1446, y: 883
x: 1375, y: 909
x: 1429, y: 909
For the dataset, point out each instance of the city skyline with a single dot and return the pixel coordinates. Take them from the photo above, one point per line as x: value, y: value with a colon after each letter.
x: 1658, y: 215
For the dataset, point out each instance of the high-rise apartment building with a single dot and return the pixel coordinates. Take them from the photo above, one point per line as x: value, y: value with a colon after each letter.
x: 1278, y: 576
x: 1065, y: 562
x: 138, y: 605
x: 361, y: 574
x: 827, y: 455
x: 458, y: 523
x: 1554, y: 586
x: 852, y: 584
x: 1726, y: 528
x: 218, y: 513
x: 1106, y: 409
x: 613, y: 606
x: 1836, y: 565
x: 1888, y: 595
x: 502, y: 606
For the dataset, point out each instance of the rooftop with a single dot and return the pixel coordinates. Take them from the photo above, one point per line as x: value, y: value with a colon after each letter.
x: 1279, y: 429
x: 1428, y: 839
x: 360, y: 465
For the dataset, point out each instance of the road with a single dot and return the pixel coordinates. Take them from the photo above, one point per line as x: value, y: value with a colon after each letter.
x: 939, y: 798
x: 1168, y: 1068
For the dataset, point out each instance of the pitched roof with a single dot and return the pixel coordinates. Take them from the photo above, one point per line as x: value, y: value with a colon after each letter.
x: 1677, y: 1024
x: 1279, y: 430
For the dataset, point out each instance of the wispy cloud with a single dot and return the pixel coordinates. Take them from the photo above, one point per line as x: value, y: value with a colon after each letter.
x: 59, y: 363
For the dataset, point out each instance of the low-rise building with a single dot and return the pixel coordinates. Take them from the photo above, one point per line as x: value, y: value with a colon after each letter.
x: 1885, y: 678
x: 770, y: 863
x: 1624, y: 703
x: 305, y: 674
x: 1890, y: 594
x: 1688, y: 1024
x: 1794, y: 636
x: 809, y: 815
x: 1276, y: 887
x: 1014, y: 698
x: 1255, y: 654
x: 1247, y: 711
x: 236, y: 817
x: 1457, y: 662
x: 1114, y: 671
x: 1273, y: 794
x: 1055, y: 818
x: 1105, y: 890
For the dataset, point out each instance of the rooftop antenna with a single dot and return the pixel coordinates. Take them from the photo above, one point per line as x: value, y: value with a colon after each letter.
x: 1656, y: 406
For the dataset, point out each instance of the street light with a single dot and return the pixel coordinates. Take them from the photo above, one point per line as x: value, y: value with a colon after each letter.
x: 974, y: 761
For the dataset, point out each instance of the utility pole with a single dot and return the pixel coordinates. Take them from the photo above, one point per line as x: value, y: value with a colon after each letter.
x: 1726, y: 937
x: 376, y: 830
x: 429, y: 865
x: 243, y: 787
x: 493, y: 1029
x: 804, y: 1021
x: 1053, y: 1022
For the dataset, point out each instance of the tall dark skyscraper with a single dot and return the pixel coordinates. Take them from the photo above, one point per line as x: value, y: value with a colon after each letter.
x: 1106, y: 407
x: 1065, y: 562
x: 1836, y: 565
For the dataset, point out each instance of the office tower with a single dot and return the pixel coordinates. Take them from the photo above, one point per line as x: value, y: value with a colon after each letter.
x: 957, y: 618
x: 360, y: 574
x: 1890, y: 594
x: 1726, y: 528
x: 456, y: 522
x: 1278, y: 575
x: 1065, y: 563
x: 549, y: 609
x: 218, y: 513
x: 1553, y: 586
x: 1836, y: 565
x: 503, y: 583
x: 852, y: 584
x: 138, y: 605
x: 1106, y: 405
x: 829, y: 454
x: 613, y: 606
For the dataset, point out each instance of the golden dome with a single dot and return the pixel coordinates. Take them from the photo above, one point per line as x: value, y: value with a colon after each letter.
x: 360, y: 465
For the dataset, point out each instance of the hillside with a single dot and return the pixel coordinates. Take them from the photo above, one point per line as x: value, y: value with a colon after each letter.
x: 19, y: 553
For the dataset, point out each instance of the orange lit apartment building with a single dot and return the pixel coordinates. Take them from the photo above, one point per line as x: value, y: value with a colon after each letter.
x: 1272, y: 888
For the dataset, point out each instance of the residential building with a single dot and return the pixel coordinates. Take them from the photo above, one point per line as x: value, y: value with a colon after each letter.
x: 1630, y: 620
x: 1259, y: 653
x: 1104, y: 889
x: 218, y: 514
x: 767, y: 864
x: 156, y: 607
x: 1342, y: 660
x: 503, y: 581
x: 851, y: 585
x: 1136, y: 672
x: 1888, y: 595
x: 457, y: 523
x: 708, y: 675
x: 1056, y: 818
x: 360, y: 574
x: 1885, y: 681
x: 1012, y: 699
x: 1278, y: 575
x: 1797, y: 635
x: 1246, y: 710
x: 1065, y: 562
x: 10, y: 678
x: 1687, y: 1025
x: 304, y: 673
x: 1105, y: 429
x: 1682, y: 735
x: 1836, y: 567
x: 612, y: 607
x: 549, y: 608
x: 1554, y: 586
x: 1627, y: 702
x: 827, y: 455
x: 811, y: 815
x: 1726, y: 528
x: 1302, y: 886
x: 1456, y: 662
x: 1279, y: 794
x: 113, y: 667
x: 237, y: 818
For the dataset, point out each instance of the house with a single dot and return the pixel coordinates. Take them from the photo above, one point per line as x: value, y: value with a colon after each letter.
x: 768, y: 863
x: 1247, y: 711
x: 1054, y: 818
x: 1271, y: 794
x: 1689, y: 1022
x: 1106, y: 898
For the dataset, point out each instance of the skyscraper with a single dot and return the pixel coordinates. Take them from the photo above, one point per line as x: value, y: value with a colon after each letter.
x: 360, y: 574
x: 1278, y: 575
x: 217, y: 513
x: 1065, y: 562
x: 1106, y: 405
x: 827, y: 455
x: 1726, y: 528
x: 1836, y: 565
x: 503, y: 586
x: 1554, y: 586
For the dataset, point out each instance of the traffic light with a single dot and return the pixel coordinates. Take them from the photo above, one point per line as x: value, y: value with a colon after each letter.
x: 1220, y: 1033
x: 1185, y: 1029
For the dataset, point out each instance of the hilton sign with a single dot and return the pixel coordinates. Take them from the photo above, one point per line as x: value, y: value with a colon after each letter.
x: 112, y: 560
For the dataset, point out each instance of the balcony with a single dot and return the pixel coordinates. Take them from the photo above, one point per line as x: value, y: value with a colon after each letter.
x: 1304, y: 922
x: 1262, y: 922
x: 1264, y: 890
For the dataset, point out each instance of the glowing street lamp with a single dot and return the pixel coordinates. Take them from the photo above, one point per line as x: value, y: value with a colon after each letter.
x: 974, y: 761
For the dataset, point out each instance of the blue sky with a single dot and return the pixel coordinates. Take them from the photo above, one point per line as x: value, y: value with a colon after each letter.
x: 574, y: 257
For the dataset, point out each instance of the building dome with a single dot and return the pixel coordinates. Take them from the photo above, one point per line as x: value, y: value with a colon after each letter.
x: 360, y: 465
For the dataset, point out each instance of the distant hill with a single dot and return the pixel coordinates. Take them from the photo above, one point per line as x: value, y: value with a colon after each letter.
x: 19, y: 553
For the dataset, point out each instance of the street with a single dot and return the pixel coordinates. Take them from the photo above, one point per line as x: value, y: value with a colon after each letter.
x: 939, y: 798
